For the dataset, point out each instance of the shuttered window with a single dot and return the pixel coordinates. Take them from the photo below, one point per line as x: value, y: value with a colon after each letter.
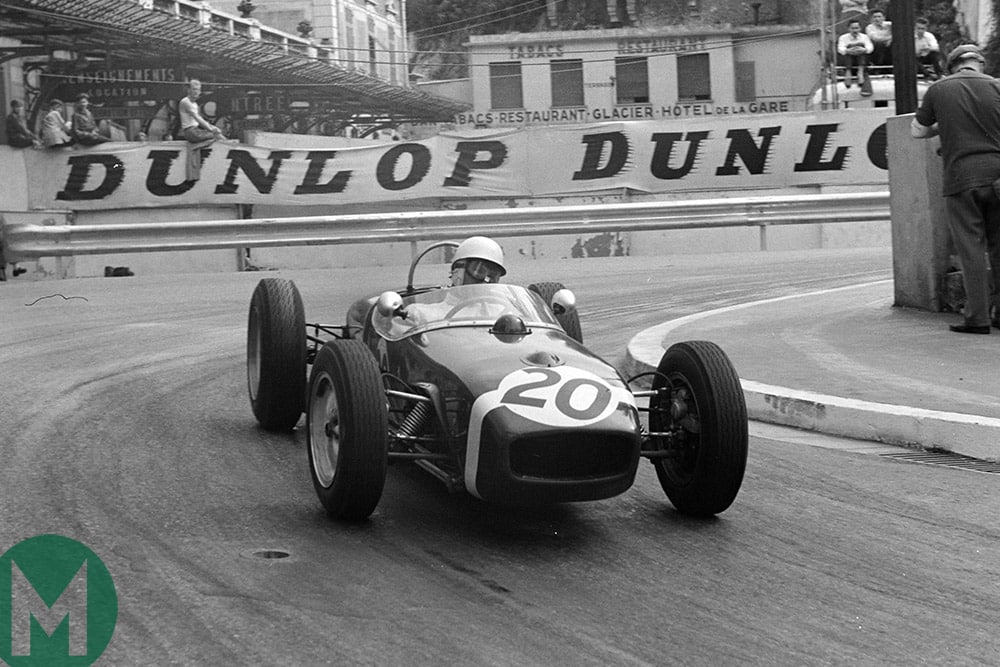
x: 567, y: 83
x: 694, y: 81
x: 631, y: 80
x: 746, y: 81
x: 505, y: 86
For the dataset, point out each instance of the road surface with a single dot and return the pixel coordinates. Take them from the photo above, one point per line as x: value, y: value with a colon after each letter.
x: 125, y: 425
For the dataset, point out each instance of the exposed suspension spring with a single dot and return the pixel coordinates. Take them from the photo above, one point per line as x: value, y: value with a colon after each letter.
x: 415, y: 421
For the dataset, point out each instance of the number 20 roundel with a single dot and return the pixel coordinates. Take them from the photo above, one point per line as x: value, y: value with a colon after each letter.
x: 561, y: 396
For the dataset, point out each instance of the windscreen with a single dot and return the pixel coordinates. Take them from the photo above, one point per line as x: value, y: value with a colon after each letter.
x: 466, y: 305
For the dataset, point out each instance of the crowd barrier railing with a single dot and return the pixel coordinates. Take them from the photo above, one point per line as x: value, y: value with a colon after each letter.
x: 28, y: 241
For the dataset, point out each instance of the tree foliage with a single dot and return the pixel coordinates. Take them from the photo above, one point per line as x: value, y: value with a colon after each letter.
x: 441, y: 27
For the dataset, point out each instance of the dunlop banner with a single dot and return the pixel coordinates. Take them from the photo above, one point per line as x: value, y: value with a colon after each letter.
x: 779, y: 151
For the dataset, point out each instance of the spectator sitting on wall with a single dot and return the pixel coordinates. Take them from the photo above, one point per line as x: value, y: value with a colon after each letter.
x: 854, y: 48
x: 928, y: 53
x: 196, y: 130
x: 55, y: 129
x: 18, y: 134
x: 84, y: 126
x: 880, y: 32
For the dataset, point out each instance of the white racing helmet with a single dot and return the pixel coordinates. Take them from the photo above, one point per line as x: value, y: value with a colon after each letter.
x: 478, y: 259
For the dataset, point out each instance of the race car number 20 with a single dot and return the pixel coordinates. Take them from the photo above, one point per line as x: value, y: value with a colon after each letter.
x: 559, y: 396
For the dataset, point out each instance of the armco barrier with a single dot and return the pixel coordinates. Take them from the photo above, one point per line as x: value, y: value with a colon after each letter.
x: 27, y: 241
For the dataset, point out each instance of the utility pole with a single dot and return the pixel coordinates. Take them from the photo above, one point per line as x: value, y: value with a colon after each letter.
x: 904, y: 59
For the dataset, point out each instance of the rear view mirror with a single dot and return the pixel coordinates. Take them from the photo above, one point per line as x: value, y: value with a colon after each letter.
x: 390, y: 304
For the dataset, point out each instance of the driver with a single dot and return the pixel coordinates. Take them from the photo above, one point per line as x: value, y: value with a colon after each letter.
x: 478, y: 259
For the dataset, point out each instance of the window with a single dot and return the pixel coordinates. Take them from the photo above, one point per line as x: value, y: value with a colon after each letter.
x: 393, y: 74
x: 505, y: 86
x: 746, y: 81
x: 567, y: 83
x: 349, y: 33
x: 693, y: 79
x: 631, y: 80
x: 372, y: 56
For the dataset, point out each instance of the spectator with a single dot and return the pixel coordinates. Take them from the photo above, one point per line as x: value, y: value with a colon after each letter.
x: 854, y: 47
x: 18, y: 134
x: 196, y: 130
x: 55, y: 129
x: 84, y: 126
x: 928, y: 53
x: 964, y: 109
x: 879, y: 31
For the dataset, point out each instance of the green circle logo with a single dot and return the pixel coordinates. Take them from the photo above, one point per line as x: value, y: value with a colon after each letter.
x: 58, y: 604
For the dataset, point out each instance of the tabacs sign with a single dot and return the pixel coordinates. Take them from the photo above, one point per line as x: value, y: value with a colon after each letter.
x: 776, y: 151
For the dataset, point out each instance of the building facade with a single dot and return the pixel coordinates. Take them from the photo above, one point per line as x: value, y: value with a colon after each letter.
x: 636, y: 74
x: 366, y: 35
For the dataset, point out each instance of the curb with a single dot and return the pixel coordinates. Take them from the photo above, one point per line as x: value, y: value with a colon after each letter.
x: 969, y: 435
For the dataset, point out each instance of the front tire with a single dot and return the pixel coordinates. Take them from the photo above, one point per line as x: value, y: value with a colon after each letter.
x: 570, y: 322
x: 347, y: 425
x: 705, y: 411
x: 276, y: 354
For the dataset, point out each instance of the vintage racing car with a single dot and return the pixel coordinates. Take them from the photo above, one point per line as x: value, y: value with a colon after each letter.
x: 489, y: 388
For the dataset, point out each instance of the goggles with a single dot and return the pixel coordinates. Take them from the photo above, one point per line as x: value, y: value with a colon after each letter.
x: 482, y: 271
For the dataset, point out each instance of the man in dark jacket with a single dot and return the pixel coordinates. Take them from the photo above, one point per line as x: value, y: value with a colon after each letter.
x: 18, y: 134
x: 84, y: 126
x: 964, y: 108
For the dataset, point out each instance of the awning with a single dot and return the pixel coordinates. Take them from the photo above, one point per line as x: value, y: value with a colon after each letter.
x: 120, y: 31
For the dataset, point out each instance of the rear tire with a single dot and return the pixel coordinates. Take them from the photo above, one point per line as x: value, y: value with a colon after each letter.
x: 570, y: 322
x: 347, y: 426
x: 276, y: 354
x: 706, y: 409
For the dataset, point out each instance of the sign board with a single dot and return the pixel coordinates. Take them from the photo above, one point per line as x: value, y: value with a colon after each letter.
x: 701, y: 154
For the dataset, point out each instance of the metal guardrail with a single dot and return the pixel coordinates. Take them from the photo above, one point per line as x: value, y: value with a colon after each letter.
x: 27, y: 241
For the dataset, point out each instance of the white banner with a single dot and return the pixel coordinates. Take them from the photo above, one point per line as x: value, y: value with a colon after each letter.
x: 731, y: 154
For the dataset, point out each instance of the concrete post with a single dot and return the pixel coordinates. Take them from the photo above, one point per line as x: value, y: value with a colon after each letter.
x: 921, y: 242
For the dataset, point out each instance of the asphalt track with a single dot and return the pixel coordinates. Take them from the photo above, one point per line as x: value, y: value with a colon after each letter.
x: 126, y: 426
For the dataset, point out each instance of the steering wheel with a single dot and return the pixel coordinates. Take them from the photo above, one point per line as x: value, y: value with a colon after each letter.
x: 479, y: 301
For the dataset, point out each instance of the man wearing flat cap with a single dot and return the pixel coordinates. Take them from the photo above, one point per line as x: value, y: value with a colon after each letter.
x: 964, y: 109
x: 85, y: 128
